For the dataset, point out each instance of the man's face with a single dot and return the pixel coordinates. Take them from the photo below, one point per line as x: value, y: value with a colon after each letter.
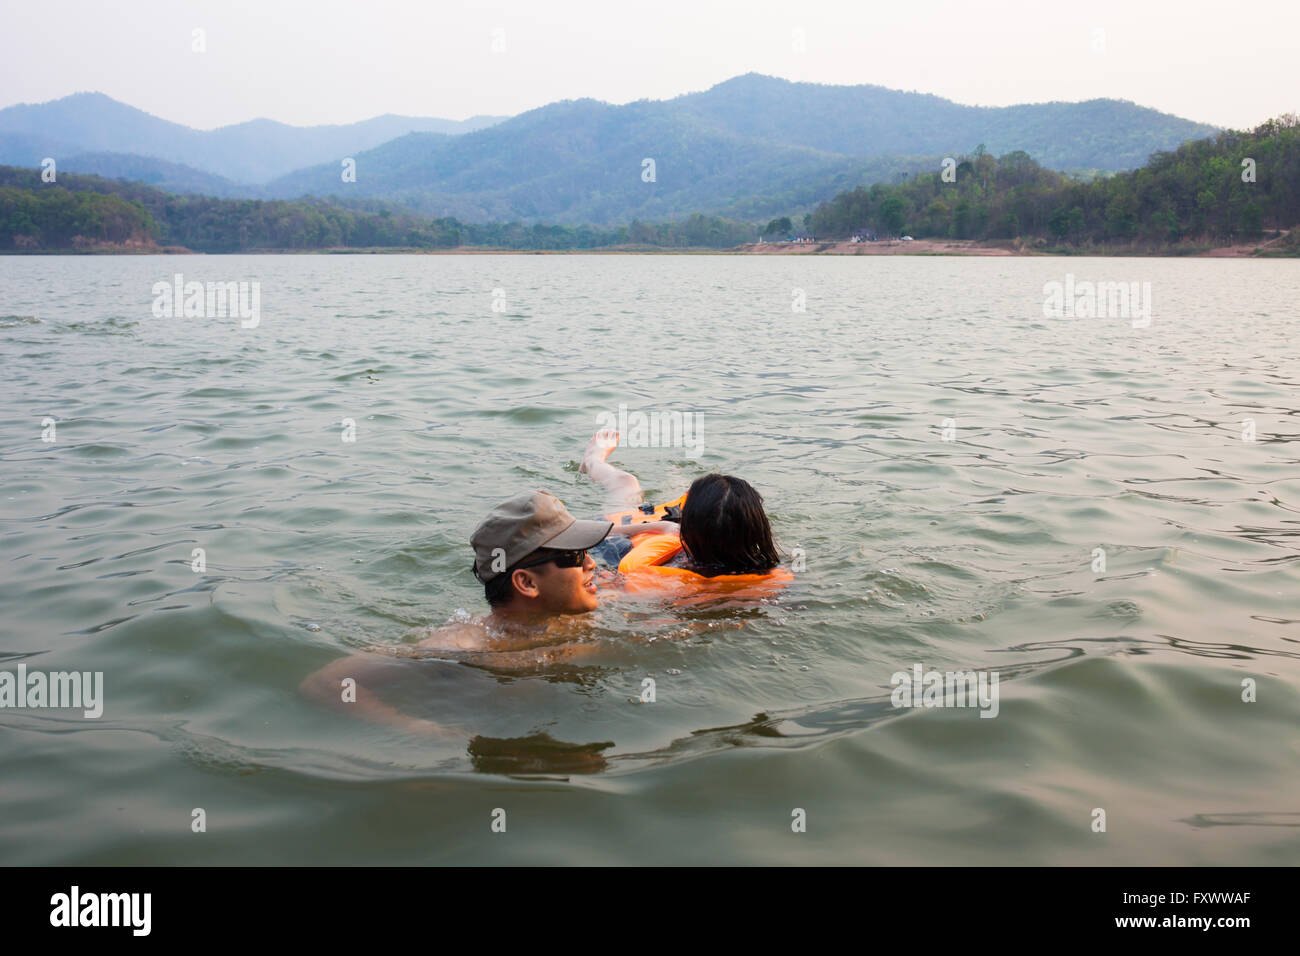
x: 566, y: 590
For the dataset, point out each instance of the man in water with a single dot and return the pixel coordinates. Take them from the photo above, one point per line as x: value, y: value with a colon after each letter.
x: 531, y: 556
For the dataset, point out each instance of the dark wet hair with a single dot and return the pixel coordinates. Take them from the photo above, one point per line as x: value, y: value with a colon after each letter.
x: 499, y: 590
x: 724, y: 528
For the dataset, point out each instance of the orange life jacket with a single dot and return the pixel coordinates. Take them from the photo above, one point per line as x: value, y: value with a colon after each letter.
x: 643, y: 568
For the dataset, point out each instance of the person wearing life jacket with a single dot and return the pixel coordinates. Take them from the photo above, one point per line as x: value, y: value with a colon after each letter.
x: 724, y: 544
x: 716, y: 537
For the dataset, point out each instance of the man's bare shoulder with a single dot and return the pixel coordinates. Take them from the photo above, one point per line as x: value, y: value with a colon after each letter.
x: 484, y: 642
x: 471, y: 635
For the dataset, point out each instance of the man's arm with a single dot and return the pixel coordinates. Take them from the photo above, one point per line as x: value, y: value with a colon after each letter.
x: 325, y: 686
x: 528, y: 659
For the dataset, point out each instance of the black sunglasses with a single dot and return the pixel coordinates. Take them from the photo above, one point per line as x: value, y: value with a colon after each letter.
x: 562, y: 559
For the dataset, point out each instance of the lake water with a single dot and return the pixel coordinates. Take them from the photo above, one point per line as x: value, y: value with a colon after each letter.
x: 943, y: 460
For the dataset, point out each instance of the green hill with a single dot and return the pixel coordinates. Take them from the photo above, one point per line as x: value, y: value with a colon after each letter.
x: 1203, y: 192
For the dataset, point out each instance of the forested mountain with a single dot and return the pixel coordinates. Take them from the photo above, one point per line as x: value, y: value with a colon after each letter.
x: 28, y: 151
x: 171, y: 177
x: 585, y: 162
x: 750, y: 147
x: 872, y: 121
x: 247, y: 153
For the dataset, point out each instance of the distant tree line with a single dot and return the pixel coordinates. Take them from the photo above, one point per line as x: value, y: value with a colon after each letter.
x: 84, y: 211
x: 1231, y: 187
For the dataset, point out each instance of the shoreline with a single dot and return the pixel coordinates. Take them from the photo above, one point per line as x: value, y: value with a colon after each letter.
x: 1271, y: 248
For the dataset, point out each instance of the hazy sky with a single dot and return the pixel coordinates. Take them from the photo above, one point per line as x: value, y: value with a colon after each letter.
x: 336, y: 61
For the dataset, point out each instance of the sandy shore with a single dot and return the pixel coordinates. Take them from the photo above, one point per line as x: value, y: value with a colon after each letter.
x: 1247, y: 250
x: 971, y: 247
x: 934, y: 247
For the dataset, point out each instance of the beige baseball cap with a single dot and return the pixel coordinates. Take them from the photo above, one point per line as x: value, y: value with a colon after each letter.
x: 516, y: 528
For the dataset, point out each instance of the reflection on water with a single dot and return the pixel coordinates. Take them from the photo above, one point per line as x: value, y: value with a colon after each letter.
x: 537, y: 753
x: 1245, y: 820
